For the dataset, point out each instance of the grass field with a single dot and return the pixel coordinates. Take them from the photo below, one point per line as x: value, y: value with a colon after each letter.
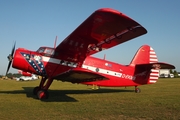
x: 75, y: 101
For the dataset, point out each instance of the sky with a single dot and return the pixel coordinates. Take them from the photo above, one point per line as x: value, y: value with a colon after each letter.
x: 35, y: 23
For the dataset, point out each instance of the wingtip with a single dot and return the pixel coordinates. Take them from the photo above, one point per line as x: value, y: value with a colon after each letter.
x: 108, y: 10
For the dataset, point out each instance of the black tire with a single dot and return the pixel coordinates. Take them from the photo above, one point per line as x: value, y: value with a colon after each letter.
x: 35, y: 90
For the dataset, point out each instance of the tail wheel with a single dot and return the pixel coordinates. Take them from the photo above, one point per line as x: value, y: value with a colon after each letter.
x: 137, y: 90
x: 42, y: 94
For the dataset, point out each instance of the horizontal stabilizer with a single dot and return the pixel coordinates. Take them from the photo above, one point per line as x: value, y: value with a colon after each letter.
x: 79, y: 75
x: 157, y: 65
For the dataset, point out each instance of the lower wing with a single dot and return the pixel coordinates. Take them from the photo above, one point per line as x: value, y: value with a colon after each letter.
x: 79, y: 75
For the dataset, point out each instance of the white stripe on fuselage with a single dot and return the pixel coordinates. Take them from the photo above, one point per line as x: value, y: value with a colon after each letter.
x: 104, y: 71
x: 109, y: 72
x: 59, y: 62
x: 51, y: 60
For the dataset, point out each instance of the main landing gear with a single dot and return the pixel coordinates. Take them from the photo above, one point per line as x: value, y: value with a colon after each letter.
x: 137, y: 90
x: 41, y: 90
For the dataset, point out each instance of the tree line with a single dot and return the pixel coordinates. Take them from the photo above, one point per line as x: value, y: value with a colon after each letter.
x: 174, y: 72
x: 11, y: 75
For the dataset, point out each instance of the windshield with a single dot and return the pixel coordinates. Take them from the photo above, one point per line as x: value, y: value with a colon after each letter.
x: 41, y: 50
x: 46, y: 51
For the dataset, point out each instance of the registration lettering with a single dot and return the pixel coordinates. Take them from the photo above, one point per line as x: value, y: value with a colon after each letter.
x: 129, y: 77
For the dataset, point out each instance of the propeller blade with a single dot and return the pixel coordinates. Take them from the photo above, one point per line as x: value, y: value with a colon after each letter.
x: 9, y: 65
x: 12, y: 52
x: 10, y: 57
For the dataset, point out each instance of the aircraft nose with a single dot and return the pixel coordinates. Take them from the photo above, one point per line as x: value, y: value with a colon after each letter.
x: 19, y: 61
x: 22, y: 60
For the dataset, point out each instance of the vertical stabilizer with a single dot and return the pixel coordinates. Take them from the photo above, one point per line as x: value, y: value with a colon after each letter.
x: 144, y: 59
x: 144, y: 55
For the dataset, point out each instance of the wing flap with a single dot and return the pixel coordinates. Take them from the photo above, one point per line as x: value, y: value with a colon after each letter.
x: 79, y: 75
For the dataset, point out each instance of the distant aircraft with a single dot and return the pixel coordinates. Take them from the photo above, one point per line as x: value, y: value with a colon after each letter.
x: 71, y: 60
x: 26, y: 76
x: 24, y: 73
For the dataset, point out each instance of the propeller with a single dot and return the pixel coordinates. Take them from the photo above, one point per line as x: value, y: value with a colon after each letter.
x: 10, y: 58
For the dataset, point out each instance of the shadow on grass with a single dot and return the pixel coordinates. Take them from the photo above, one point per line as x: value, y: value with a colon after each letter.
x: 62, y: 95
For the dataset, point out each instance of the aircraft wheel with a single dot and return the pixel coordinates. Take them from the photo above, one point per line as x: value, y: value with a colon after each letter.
x: 42, y: 94
x: 35, y: 90
x: 137, y: 90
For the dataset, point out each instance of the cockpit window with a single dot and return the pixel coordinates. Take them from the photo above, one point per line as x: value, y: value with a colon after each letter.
x: 40, y: 50
x: 49, y: 51
x: 46, y: 51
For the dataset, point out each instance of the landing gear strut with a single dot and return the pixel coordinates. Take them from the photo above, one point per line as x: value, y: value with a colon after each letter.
x: 137, y: 90
x: 41, y: 90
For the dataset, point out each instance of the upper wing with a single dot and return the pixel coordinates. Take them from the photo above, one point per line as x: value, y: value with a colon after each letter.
x: 79, y: 75
x: 103, y: 29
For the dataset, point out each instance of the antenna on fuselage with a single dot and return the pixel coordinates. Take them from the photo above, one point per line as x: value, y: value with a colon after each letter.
x: 104, y: 56
x: 55, y: 41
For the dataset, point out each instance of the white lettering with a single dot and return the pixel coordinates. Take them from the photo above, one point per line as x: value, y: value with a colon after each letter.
x: 129, y: 77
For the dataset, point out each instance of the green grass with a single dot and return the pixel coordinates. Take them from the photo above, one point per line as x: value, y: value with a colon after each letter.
x: 75, y: 101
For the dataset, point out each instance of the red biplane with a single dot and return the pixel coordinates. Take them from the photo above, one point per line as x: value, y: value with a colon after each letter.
x: 71, y: 60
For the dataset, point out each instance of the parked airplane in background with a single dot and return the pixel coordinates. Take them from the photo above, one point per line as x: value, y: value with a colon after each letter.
x: 26, y: 76
x: 24, y: 73
x: 71, y: 60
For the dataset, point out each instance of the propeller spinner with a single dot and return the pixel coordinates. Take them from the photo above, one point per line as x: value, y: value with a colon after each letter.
x: 10, y: 58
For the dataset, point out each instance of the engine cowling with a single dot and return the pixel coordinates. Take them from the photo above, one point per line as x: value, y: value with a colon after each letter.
x: 21, y: 60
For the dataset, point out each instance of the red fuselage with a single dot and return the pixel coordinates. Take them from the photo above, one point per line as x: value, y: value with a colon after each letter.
x: 44, y: 64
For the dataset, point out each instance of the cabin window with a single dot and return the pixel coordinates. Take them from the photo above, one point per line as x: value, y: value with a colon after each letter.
x: 49, y: 51
x: 74, y: 65
x: 108, y: 64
